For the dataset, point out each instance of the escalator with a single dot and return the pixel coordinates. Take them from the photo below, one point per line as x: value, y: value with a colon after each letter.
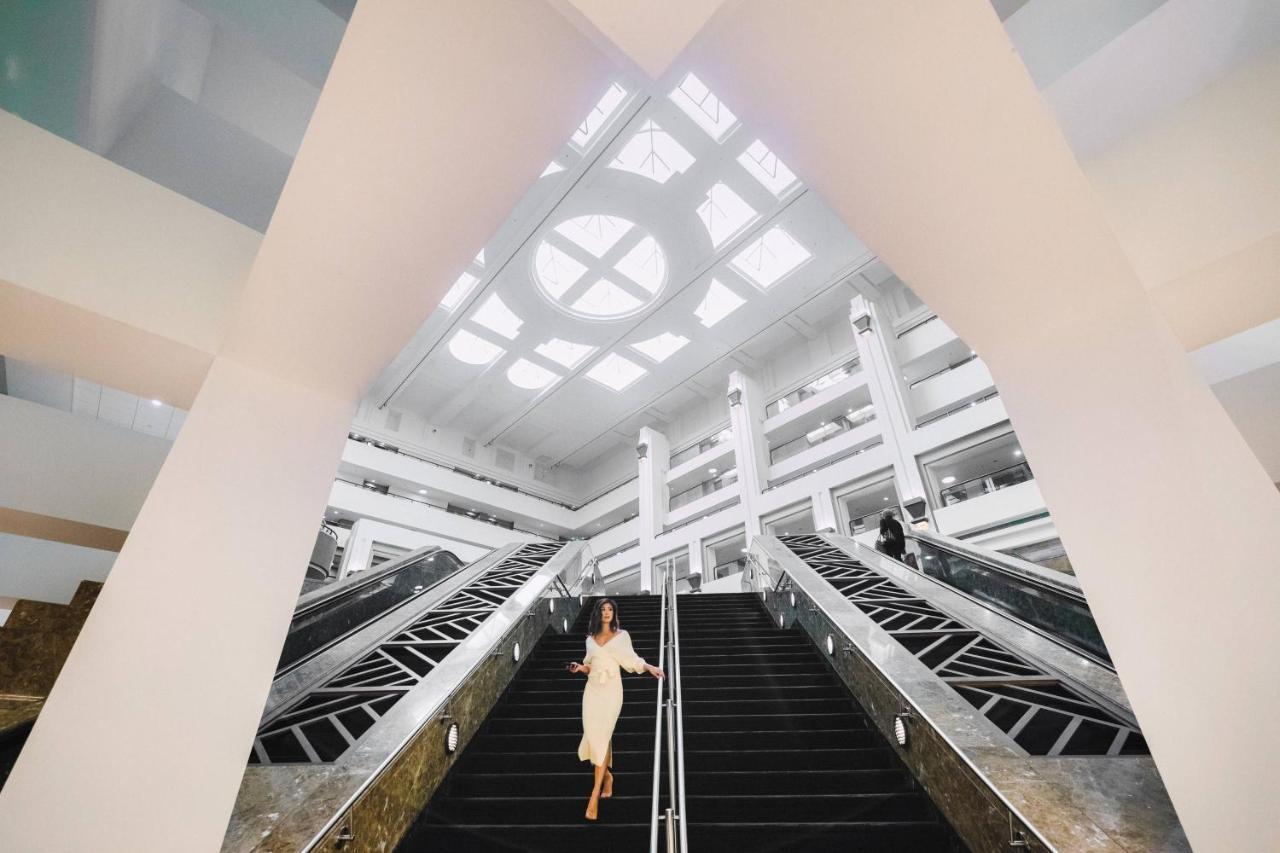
x: 328, y: 614
x: 519, y: 784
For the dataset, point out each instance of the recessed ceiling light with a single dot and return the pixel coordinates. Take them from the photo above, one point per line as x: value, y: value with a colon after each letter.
x: 766, y: 168
x: 662, y: 347
x: 645, y: 264
x: 472, y: 349
x: 948, y: 480
x: 156, y: 403
x: 770, y: 258
x: 724, y: 213
x: 422, y: 491
x: 460, y: 290
x: 496, y: 316
x: 654, y: 154
x: 696, y: 101
x: 615, y: 372
x: 596, y: 233
x: 526, y: 374
x: 606, y: 299
x: 719, y: 303
x: 564, y: 353
x: 599, y: 116
x: 711, y: 470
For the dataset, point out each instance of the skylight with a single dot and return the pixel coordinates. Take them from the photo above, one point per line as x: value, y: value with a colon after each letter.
x: 460, y: 291
x: 719, y: 303
x: 654, y: 154
x: 551, y: 169
x: 472, y: 349
x: 496, y: 316
x: 724, y: 213
x: 766, y: 168
x: 606, y: 299
x: 771, y: 257
x: 564, y: 353
x: 615, y: 372
x: 599, y: 116
x: 662, y: 347
x: 479, y: 261
x: 645, y: 264
x: 596, y: 233
x: 526, y: 374
x: 557, y: 270
x: 695, y: 99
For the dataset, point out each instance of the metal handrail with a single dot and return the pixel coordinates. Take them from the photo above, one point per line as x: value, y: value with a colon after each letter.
x: 676, y: 691
x: 657, y: 725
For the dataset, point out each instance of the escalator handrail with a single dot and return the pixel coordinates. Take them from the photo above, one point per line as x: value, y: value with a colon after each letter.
x: 330, y: 593
x: 1017, y: 570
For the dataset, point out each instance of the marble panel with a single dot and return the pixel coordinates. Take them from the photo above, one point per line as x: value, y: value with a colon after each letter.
x: 36, y: 639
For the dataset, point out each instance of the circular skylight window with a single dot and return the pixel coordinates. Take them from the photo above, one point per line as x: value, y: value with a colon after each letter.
x: 600, y: 267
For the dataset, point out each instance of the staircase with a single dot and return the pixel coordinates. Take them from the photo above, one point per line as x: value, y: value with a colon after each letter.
x: 778, y: 755
x: 519, y: 784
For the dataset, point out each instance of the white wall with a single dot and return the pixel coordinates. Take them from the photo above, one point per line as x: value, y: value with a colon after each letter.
x: 39, y: 570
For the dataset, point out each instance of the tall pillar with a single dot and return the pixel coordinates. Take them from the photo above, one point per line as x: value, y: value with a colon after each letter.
x: 654, y: 461
x: 750, y: 449
x: 144, y: 739
x: 876, y: 351
x: 918, y: 123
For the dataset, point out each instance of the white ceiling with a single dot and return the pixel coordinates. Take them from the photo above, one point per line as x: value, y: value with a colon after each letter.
x: 575, y: 419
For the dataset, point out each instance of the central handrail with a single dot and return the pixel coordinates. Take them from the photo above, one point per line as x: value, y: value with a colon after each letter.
x: 657, y: 725
x: 676, y: 691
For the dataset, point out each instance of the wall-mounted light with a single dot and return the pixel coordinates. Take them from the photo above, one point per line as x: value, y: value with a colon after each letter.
x: 781, y: 622
x: 564, y: 624
x: 831, y: 645
x: 793, y: 599
x: 901, y: 730
x: 515, y: 652
x: 862, y: 324
x: 451, y: 739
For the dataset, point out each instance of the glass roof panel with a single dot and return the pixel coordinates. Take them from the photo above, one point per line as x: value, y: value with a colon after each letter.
x: 606, y: 299
x: 719, y: 303
x: 496, y: 316
x: 615, y: 372
x: 645, y: 264
x: 472, y: 349
x: 654, y: 154
x: 724, y: 213
x: 599, y: 116
x: 596, y: 233
x: 773, y: 256
x: 460, y: 291
x: 526, y: 374
x: 564, y: 353
x: 479, y: 261
x: 551, y: 169
x: 557, y: 270
x: 766, y: 168
x: 662, y: 347
x: 695, y: 99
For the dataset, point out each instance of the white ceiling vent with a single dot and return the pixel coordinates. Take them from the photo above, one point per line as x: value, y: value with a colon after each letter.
x: 505, y: 459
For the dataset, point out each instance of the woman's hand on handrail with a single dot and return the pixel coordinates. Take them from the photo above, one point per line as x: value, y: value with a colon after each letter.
x: 654, y: 671
x: 583, y: 668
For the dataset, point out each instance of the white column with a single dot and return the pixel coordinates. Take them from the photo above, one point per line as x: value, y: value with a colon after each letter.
x: 654, y: 461
x: 824, y: 512
x: 750, y: 449
x: 877, y: 353
x: 926, y: 109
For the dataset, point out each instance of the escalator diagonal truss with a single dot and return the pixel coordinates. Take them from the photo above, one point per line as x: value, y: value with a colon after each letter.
x: 329, y: 718
x: 1040, y: 711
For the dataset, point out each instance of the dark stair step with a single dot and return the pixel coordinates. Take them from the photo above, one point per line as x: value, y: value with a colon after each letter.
x: 614, y: 836
x: 824, y: 837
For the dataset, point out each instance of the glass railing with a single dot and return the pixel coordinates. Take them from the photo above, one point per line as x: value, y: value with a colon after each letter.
x: 806, y: 391
x: 955, y: 410
x: 871, y: 521
x: 986, y: 484
x: 917, y: 325
x: 682, y: 456
x: 724, y: 570
x: 823, y: 432
x: 947, y: 369
x: 706, y: 487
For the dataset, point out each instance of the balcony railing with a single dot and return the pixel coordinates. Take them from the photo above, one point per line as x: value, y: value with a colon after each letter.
x: 824, y: 432
x: 706, y: 487
x: 947, y: 369
x: 986, y: 484
x: 703, y: 446
x: 955, y: 410
x: 807, y: 390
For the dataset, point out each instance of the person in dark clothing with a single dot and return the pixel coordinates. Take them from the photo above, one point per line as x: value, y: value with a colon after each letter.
x: 892, y: 542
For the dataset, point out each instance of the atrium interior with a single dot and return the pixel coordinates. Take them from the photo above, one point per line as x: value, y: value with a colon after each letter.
x: 351, y: 354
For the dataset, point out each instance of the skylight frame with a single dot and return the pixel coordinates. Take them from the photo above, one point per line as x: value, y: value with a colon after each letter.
x: 616, y: 301
x: 595, y: 233
x: 601, y: 115
x: 719, y: 302
x: 653, y: 153
x: 660, y: 347
x: 470, y: 348
x: 528, y: 376
x: 763, y: 165
x: 495, y: 316
x: 724, y: 213
x: 622, y: 369
x: 549, y: 262
x: 707, y: 111
x: 779, y: 254
x: 636, y: 263
x: 567, y: 354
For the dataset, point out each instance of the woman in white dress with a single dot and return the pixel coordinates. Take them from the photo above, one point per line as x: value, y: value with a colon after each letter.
x: 608, y: 653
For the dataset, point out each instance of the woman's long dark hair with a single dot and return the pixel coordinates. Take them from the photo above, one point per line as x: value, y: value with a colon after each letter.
x: 597, y: 620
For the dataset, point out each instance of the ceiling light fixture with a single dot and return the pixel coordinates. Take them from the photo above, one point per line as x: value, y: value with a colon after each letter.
x: 948, y: 480
x: 156, y: 403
